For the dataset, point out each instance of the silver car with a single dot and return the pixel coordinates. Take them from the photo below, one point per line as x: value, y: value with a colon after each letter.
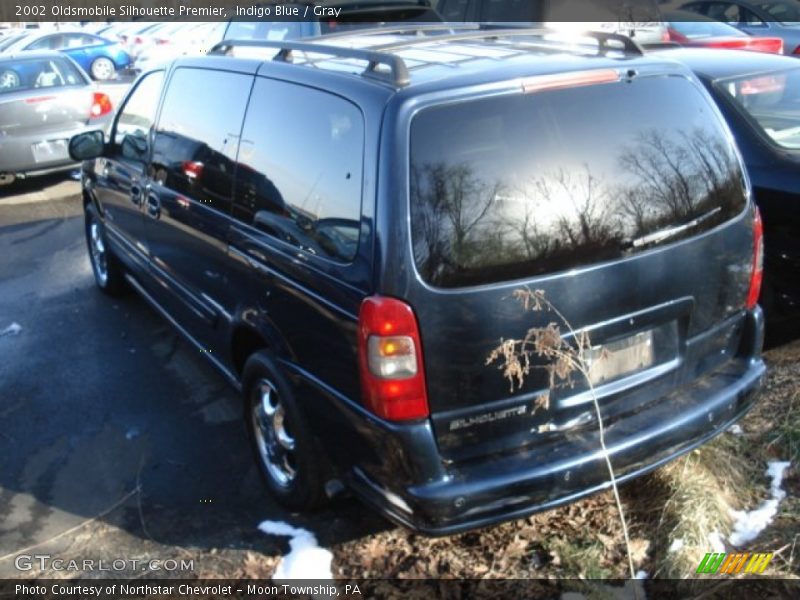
x: 45, y: 99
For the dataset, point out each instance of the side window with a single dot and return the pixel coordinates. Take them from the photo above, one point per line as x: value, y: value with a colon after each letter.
x: 300, y: 169
x: 49, y: 42
x: 137, y: 116
x: 197, y: 136
x: 453, y: 10
x: 507, y: 10
x: 74, y: 40
x: 750, y: 19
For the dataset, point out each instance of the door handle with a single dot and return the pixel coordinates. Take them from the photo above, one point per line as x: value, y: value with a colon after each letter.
x: 153, y: 206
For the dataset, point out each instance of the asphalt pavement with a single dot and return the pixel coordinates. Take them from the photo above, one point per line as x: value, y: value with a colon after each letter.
x: 117, y: 439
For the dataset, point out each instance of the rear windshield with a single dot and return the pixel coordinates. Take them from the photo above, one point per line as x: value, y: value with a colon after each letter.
x: 38, y: 73
x: 772, y: 99
x: 517, y: 186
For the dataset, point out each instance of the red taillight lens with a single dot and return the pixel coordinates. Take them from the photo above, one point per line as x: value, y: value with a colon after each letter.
x: 796, y: 51
x: 161, y: 42
x: 757, y: 273
x: 192, y: 169
x: 673, y: 35
x: 390, y: 357
x: 138, y: 40
x: 101, y: 105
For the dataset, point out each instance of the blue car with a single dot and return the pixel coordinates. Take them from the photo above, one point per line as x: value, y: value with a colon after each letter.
x: 98, y: 56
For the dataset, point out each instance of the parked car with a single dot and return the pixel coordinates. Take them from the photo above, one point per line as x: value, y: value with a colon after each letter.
x: 341, y: 229
x: 640, y: 20
x: 99, y: 57
x: 45, y: 99
x: 759, y: 97
x: 353, y: 14
x: 689, y: 29
x: 772, y: 18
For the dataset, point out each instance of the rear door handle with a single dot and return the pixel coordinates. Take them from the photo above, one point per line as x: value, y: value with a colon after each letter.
x: 153, y: 206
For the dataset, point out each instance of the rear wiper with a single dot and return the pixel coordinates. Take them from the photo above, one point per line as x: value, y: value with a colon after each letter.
x: 669, y: 232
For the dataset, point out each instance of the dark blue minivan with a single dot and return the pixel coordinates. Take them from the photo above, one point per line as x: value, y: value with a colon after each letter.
x: 346, y: 227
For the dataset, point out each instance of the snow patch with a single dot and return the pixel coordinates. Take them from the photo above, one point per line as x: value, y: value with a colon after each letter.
x: 306, y: 560
x: 676, y: 545
x: 749, y: 524
x: 12, y: 329
x: 715, y: 542
x: 735, y: 429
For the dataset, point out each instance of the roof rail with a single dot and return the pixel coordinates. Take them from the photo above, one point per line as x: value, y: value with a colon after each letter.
x: 398, y: 72
x: 411, y: 28
x: 603, y: 38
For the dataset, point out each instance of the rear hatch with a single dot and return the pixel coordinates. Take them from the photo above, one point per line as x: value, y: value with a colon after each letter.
x: 43, y: 101
x: 617, y: 206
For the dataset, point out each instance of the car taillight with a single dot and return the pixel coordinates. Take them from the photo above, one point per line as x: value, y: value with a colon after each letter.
x: 138, y: 40
x: 796, y: 51
x: 161, y: 42
x: 757, y: 272
x: 673, y: 35
x: 390, y: 360
x: 101, y: 105
x: 192, y: 169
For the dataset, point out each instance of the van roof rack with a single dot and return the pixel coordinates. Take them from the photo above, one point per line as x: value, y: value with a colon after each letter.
x: 409, y: 28
x: 603, y: 38
x: 398, y: 73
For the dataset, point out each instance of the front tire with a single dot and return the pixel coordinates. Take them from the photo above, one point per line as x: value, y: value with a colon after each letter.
x: 102, y: 69
x: 283, y: 446
x: 109, y: 274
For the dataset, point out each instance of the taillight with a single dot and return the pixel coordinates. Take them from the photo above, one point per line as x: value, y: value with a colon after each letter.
x: 390, y: 358
x: 138, y: 40
x: 796, y: 51
x: 673, y: 35
x: 757, y: 272
x: 101, y: 105
x: 192, y: 169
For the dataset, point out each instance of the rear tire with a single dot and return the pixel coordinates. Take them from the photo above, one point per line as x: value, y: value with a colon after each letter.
x: 109, y: 274
x: 102, y: 69
x: 284, y: 449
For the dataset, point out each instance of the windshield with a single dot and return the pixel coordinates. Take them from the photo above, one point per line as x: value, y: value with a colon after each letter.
x: 783, y: 12
x: 522, y: 185
x: 773, y: 100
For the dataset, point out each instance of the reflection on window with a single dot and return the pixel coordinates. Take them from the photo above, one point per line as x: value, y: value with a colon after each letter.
x: 195, y: 145
x: 31, y: 74
x: 773, y: 100
x: 514, y: 187
x: 139, y: 111
x: 300, y: 170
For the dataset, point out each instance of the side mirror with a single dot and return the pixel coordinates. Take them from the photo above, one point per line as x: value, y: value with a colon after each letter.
x: 134, y: 147
x: 87, y: 145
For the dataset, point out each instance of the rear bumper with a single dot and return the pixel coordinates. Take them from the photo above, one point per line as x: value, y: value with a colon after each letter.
x: 495, y: 489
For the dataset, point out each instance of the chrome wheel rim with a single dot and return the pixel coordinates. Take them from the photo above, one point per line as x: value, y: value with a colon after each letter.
x: 102, y: 68
x: 274, y: 440
x: 97, y: 249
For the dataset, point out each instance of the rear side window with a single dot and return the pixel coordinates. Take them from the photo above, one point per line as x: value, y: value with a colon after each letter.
x: 39, y: 73
x: 197, y: 137
x: 300, y: 169
x: 519, y: 186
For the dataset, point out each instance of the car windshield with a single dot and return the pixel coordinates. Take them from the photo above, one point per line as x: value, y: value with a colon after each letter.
x: 773, y: 100
x: 37, y: 73
x: 783, y: 12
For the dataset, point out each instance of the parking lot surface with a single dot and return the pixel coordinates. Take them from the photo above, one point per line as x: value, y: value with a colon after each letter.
x: 113, y: 429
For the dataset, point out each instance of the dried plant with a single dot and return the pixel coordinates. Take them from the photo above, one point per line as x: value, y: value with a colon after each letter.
x: 560, y: 359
